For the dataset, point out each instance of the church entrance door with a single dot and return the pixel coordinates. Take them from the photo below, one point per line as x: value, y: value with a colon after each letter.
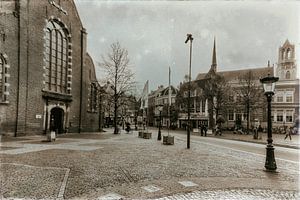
x: 57, y: 120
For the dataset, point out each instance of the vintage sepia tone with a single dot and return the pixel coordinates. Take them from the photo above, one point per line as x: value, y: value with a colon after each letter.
x: 149, y: 99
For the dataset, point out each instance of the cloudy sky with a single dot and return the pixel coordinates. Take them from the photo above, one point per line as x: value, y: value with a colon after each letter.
x: 248, y: 34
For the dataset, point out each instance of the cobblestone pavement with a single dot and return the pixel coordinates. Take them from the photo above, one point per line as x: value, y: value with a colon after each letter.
x: 235, y: 194
x: 128, y: 167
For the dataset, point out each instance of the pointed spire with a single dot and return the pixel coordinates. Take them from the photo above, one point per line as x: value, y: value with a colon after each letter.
x: 214, y: 57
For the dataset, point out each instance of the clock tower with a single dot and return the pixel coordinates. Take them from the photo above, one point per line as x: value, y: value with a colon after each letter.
x: 286, y: 67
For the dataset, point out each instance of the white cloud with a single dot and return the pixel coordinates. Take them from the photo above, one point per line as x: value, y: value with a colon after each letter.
x: 247, y: 33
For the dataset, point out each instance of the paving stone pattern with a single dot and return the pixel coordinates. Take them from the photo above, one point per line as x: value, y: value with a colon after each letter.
x: 124, y: 164
x: 242, y: 194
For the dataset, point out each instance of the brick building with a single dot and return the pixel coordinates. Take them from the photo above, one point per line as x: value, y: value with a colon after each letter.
x: 286, y: 100
x: 47, y: 78
x: 285, y: 107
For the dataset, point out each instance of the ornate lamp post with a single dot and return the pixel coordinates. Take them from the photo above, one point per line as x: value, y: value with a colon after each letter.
x: 189, y: 38
x: 269, y: 87
x: 160, y: 108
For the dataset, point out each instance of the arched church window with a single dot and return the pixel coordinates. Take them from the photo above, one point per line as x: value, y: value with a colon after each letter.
x: 93, y: 98
x: 288, y: 75
x: 56, y: 44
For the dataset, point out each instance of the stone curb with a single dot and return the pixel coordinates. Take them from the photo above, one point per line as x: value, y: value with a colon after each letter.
x: 258, y: 142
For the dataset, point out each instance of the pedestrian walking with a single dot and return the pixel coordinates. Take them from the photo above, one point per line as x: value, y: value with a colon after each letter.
x: 288, y: 133
x: 201, y: 128
x: 205, y: 130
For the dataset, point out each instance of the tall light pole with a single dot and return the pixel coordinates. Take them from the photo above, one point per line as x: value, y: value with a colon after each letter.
x: 269, y: 87
x: 189, y: 38
x: 159, y: 125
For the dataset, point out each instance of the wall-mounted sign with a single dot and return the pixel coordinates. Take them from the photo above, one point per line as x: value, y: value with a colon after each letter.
x: 38, y: 116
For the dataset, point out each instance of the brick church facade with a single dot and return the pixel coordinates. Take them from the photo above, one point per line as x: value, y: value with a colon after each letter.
x: 47, y: 78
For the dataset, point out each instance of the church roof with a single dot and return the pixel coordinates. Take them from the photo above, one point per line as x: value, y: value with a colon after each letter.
x: 259, y: 72
x: 234, y: 74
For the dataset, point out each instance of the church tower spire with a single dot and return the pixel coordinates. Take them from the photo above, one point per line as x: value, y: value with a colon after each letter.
x: 214, y: 57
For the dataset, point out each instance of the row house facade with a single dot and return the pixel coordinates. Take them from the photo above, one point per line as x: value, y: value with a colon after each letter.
x: 160, y: 106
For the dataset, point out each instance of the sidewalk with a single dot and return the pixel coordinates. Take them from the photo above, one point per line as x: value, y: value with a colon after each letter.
x: 278, y: 139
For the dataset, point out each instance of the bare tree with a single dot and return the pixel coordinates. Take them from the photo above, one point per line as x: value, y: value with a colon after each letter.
x: 216, y: 91
x: 119, y: 74
x: 250, y: 94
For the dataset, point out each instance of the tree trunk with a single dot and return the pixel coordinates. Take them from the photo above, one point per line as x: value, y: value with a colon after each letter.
x: 115, y: 117
x: 248, y: 117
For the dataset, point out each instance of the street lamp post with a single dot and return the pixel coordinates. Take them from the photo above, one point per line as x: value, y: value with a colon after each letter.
x: 189, y: 38
x: 269, y: 87
x: 159, y: 125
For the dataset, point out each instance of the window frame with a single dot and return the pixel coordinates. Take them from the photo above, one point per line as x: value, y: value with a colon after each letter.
x: 56, y: 57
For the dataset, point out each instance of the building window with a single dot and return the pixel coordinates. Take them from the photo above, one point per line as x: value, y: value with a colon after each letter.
x: 282, y: 54
x: 173, y: 100
x: 203, y: 102
x: 279, y: 97
x: 289, y: 97
x: 288, y: 54
x: 288, y: 75
x: 2, y: 63
x: 238, y: 117
x: 192, y: 108
x: 197, y: 106
x: 93, y: 98
x: 289, y: 116
x: 56, y: 56
x: 280, y: 116
x: 3, y: 78
x: 230, y: 115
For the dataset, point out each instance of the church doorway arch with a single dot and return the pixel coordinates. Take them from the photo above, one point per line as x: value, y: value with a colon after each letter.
x: 57, y: 120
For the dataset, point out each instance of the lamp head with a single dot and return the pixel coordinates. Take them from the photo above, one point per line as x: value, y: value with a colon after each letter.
x: 269, y: 83
x: 188, y: 37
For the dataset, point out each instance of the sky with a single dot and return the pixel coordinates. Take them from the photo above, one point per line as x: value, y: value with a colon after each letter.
x: 248, y: 34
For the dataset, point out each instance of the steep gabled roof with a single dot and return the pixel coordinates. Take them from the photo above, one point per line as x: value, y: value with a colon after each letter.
x: 286, y: 43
